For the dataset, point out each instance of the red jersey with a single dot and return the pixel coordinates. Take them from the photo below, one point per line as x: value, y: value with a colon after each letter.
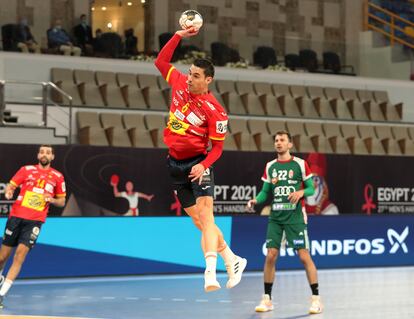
x: 194, y: 119
x: 34, y: 183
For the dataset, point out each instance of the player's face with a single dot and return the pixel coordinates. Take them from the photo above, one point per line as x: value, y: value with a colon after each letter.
x: 45, y: 156
x: 196, y: 80
x: 129, y: 186
x: 282, y: 144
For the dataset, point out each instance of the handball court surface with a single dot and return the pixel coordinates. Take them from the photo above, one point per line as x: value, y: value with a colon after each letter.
x: 346, y: 293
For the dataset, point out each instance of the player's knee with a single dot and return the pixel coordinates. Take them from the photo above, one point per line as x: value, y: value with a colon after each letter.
x: 304, y: 257
x: 271, y: 255
x: 19, y: 257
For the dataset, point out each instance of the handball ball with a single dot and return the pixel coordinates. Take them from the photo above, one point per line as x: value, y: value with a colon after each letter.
x: 191, y: 18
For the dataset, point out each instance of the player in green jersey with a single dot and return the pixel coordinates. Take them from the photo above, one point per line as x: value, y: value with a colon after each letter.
x: 288, y: 180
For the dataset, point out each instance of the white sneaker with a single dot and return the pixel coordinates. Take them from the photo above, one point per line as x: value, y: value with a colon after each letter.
x: 2, y: 280
x: 265, y: 305
x: 235, y: 271
x: 316, y: 305
x: 210, y: 281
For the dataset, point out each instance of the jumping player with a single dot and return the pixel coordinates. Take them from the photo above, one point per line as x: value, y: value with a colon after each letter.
x: 283, y: 180
x: 40, y: 185
x: 197, y: 120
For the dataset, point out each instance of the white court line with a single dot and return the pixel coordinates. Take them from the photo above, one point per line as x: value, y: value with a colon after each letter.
x: 178, y: 299
x: 225, y: 301
x: 38, y: 296
x: 155, y: 299
x: 192, y: 276
x: 201, y: 300
x: 108, y: 298
x: 131, y: 298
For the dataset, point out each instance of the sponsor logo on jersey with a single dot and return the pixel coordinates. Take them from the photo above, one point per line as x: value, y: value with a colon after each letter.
x: 292, y: 181
x: 38, y: 190
x: 283, y: 190
x: 211, y: 106
x: 221, y: 127
x: 179, y: 115
x: 49, y: 188
x: 194, y: 119
x: 290, y: 173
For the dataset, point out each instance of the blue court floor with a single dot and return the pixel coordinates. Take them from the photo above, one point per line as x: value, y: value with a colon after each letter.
x: 350, y: 293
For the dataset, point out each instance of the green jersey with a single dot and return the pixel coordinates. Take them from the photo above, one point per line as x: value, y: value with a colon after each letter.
x: 286, y: 177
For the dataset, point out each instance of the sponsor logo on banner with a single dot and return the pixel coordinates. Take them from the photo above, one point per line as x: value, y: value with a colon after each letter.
x: 233, y: 198
x: 392, y: 243
x: 385, y: 199
x: 5, y: 205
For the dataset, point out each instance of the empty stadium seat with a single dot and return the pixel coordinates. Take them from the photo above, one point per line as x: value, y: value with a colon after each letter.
x: 373, y: 109
x: 165, y: 89
x: 110, y: 90
x: 131, y: 92
x: 275, y: 126
x: 338, y: 104
x: 249, y: 98
x: 303, y: 102
x: 267, y: 99
x: 90, y: 131
x: 392, y: 112
x: 336, y: 141
x: 154, y: 98
x: 156, y: 124
x: 263, y: 139
x: 240, y: 132
x: 402, y: 136
x: 355, y: 106
x: 230, y: 97
x: 137, y: 130
x: 286, y: 101
x: 372, y: 143
x: 385, y: 135
x: 63, y: 78
x: 301, y: 141
x: 88, y: 90
x: 319, y: 141
x: 320, y: 102
x: 352, y: 137
x: 115, y: 131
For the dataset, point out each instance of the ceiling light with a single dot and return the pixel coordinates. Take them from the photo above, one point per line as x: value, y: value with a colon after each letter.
x: 103, y: 8
x: 129, y: 3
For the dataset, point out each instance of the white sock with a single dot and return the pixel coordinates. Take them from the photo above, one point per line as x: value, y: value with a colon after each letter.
x: 211, y: 261
x: 6, y: 286
x: 228, y: 255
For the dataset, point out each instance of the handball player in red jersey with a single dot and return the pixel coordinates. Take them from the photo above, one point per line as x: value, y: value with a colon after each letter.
x: 196, y: 122
x: 40, y: 185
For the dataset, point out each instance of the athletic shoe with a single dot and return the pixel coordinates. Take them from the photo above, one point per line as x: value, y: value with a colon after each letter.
x: 1, y: 302
x: 316, y: 305
x: 265, y: 305
x: 2, y: 280
x: 210, y: 281
x: 235, y: 271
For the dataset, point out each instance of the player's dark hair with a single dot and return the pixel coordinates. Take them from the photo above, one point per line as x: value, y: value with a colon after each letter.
x: 283, y: 132
x: 47, y: 145
x: 206, y: 65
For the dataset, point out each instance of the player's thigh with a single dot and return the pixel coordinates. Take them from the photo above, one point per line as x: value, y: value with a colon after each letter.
x: 12, y: 231
x: 274, y: 235
x: 206, y: 188
x: 29, y: 233
x: 297, y: 236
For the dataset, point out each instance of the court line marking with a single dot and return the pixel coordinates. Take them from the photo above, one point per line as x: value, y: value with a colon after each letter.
x: 189, y: 276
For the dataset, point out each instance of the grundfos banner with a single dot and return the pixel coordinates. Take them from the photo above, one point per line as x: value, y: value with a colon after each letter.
x: 128, y: 246
x: 337, y: 241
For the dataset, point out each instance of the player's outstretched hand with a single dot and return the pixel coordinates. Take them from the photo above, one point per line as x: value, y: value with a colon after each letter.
x: 186, y: 33
x: 47, y: 197
x: 251, y: 203
x: 295, y: 196
x: 196, y: 173
x: 9, y: 194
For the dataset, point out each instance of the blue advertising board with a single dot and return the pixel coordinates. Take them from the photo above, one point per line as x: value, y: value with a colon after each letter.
x: 89, y: 246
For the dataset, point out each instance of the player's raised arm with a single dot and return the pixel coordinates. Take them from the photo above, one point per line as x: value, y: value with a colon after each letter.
x: 164, y: 57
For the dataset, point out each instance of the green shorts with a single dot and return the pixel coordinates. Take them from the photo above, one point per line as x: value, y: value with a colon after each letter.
x: 296, y: 235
